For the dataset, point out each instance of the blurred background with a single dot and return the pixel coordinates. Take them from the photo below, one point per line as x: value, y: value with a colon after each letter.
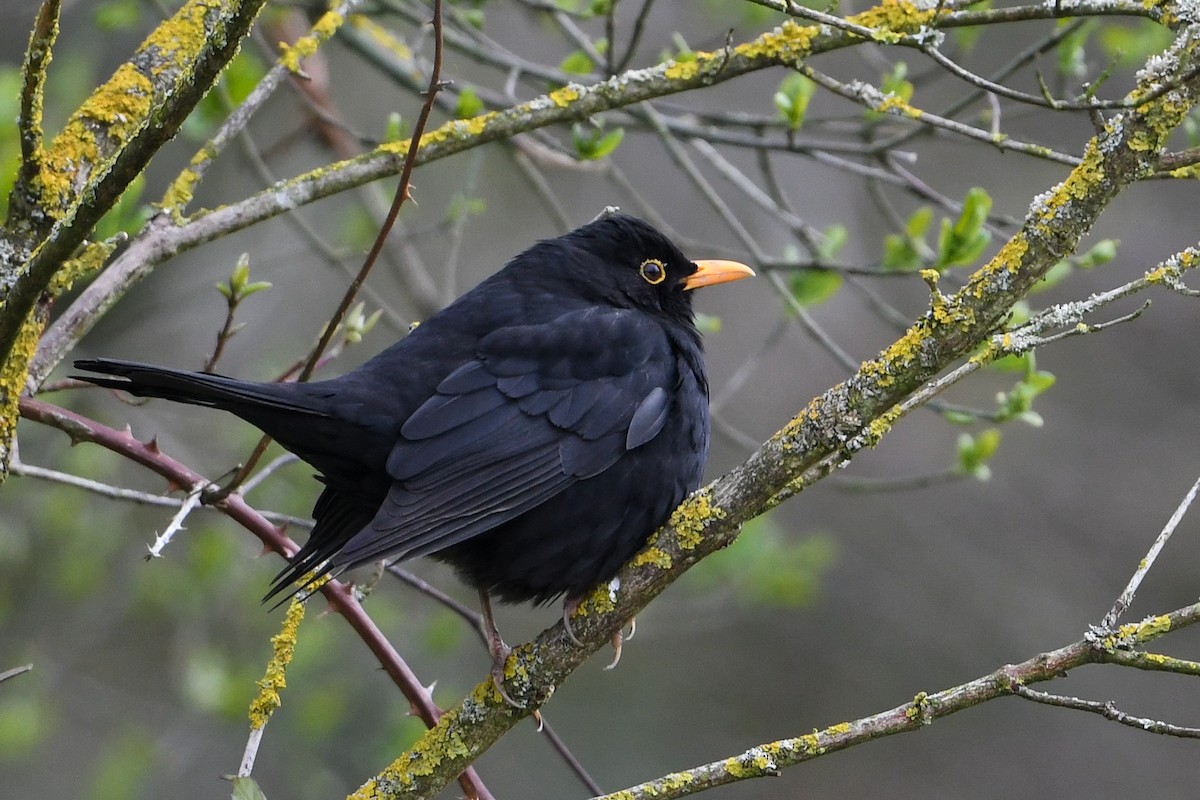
x: 867, y: 588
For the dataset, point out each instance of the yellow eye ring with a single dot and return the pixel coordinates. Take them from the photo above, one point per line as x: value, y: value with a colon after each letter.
x: 653, y: 271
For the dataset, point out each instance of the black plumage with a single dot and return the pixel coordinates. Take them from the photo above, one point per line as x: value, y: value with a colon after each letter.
x: 532, y: 434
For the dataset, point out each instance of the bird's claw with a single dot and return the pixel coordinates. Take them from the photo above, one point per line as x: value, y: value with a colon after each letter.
x: 570, y: 607
x: 618, y: 639
x: 500, y: 659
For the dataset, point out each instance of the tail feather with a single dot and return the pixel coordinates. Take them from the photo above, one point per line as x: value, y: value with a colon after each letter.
x: 195, y: 388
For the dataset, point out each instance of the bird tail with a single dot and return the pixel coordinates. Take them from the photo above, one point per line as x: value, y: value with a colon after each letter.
x: 242, y: 398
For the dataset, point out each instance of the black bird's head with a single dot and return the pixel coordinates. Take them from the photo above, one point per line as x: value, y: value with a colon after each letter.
x: 626, y: 262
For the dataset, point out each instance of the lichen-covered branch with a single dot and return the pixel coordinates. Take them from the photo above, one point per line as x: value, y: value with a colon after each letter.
x: 846, y: 418
x: 103, y: 146
x: 768, y: 759
x: 786, y: 46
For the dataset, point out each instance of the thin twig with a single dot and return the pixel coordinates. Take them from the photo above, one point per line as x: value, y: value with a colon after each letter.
x: 1108, y: 710
x: 1126, y: 597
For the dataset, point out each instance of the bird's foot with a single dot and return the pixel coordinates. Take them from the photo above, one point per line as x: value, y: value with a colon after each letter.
x: 496, y: 646
x: 618, y: 639
x: 499, y: 660
x: 570, y: 606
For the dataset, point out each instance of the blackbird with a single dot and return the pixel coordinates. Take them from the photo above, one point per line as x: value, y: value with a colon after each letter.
x: 532, y: 434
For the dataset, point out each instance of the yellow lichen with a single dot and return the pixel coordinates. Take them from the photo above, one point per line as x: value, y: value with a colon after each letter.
x: 893, y: 102
x: 653, y: 555
x: 116, y: 111
x: 275, y: 680
x: 684, y: 70
x: 788, y: 43
x: 291, y: 55
x: 381, y: 36
x: 692, y: 516
x: 566, y: 95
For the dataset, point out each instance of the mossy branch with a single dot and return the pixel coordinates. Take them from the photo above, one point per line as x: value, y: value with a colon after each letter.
x: 846, y: 418
x: 767, y: 759
x: 104, y: 145
x: 786, y: 46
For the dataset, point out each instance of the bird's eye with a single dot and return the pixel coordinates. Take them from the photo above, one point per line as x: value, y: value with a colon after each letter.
x: 653, y: 271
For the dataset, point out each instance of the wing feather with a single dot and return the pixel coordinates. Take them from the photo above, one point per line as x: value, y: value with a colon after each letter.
x: 539, y: 408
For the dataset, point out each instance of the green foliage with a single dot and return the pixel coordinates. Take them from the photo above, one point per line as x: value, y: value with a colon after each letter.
x: 122, y: 769
x: 462, y: 206
x: 117, y: 15
x: 10, y: 145
x: 1191, y: 128
x: 707, y: 323
x: 764, y: 567
x: 1071, y: 52
x: 974, y: 451
x: 965, y: 37
x: 212, y: 682
x: 239, y: 286
x: 246, y: 789
x: 593, y: 143
x: 683, y: 53
x: 467, y: 104
x: 25, y: 719
x: 908, y: 252
x: 577, y: 63
x: 357, y: 229
x: 812, y: 287
x: 1017, y: 403
x: 831, y: 242
x: 396, y: 128
x: 1131, y: 42
x: 237, y: 81
x: 1100, y: 253
x: 127, y: 215
x: 792, y: 98
x: 894, y: 84
x: 962, y: 241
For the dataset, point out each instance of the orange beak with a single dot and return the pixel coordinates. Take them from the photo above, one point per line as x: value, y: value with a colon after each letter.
x: 709, y: 272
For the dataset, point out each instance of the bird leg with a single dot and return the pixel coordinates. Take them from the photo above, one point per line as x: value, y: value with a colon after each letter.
x: 571, y: 605
x: 496, y: 646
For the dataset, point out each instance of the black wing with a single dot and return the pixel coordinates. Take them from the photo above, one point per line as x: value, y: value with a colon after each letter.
x: 539, y: 408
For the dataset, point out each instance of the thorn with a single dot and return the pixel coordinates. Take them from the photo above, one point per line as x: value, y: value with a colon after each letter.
x: 431, y: 687
x: 152, y: 445
x: 632, y: 629
x: 541, y: 724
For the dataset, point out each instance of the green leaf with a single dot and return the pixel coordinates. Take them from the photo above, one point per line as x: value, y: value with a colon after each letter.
x: 906, y: 252
x: 894, y: 83
x: 117, y: 15
x: 1071, y: 52
x: 594, y: 143
x: 792, y: 98
x: 577, y: 63
x: 396, y: 130
x: 833, y: 239
x: 1130, y: 45
x: 707, y: 323
x: 763, y: 567
x: 812, y: 287
x: 468, y: 104
x: 123, y: 768
x: 1100, y: 253
x: 245, y: 788
x: 127, y: 215
x: 964, y: 240
x: 975, y: 451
